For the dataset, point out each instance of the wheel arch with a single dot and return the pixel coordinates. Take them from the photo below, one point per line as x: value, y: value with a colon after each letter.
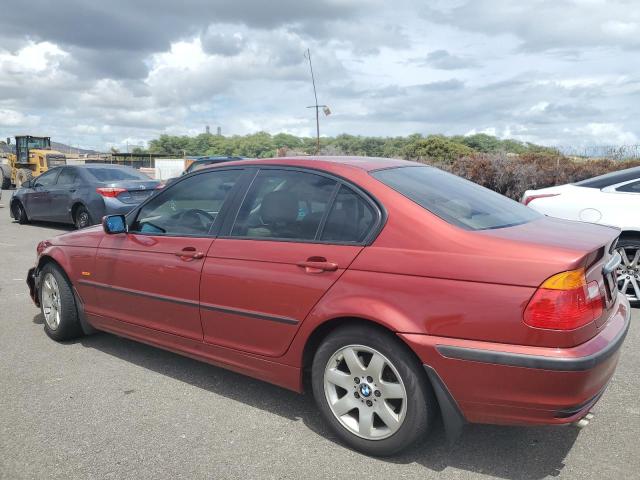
x: 452, y: 418
x: 627, y: 234
x: 77, y: 204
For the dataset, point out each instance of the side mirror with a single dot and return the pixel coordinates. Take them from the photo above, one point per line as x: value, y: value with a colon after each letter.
x: 113, y: 224
x: 27, y: 184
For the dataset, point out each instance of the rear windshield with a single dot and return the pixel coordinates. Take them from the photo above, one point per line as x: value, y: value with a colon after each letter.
x: 116, y: 174
x: 611, y: 178
x: 455, y: 200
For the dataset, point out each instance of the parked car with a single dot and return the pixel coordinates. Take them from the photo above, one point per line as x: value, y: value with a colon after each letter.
x: 611, y: 199
x: 397, y: 289
x: 199, y: 163
x: 81, y: 194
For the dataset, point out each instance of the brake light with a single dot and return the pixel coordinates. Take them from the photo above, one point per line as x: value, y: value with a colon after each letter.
x: 528, y: 200
x: 565, y: 302
x: 110, y: 192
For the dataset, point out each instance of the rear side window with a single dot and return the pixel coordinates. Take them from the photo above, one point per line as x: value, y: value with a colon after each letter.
x: 350, y: 220
x: 116, y: 174
x: 454, y: 199
x: 284, y: 204
x: 630, y: 187
x: 67, y: 177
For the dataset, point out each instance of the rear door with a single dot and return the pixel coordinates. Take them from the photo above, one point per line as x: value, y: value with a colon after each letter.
x: 38, y: 199
x: 294, y: 234
x: 150, y: 276
x: 61, y: 194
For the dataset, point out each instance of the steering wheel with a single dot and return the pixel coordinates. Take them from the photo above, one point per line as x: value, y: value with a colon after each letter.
x: 195, y: 218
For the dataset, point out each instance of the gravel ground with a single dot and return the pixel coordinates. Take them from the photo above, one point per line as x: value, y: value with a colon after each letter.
x: 106, y: 407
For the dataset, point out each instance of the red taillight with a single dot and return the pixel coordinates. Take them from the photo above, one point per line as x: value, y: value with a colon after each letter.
x: 528, y: 200
x: 110, y: 192
x: 565, y: 302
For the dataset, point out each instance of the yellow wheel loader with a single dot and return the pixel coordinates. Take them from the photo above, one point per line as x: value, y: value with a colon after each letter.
x: 33, y: 157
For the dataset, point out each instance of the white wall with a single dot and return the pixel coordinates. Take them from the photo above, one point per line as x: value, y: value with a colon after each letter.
x: 167, y: 168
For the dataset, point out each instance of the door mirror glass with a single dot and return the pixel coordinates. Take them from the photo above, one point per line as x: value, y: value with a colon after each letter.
x: 113, y: 224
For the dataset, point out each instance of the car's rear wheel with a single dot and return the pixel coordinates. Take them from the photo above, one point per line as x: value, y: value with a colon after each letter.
x: 629, y: 270
x: 82, y: 217
x: 19, y: 212
x: 372, y: 390
x: 61, y: 320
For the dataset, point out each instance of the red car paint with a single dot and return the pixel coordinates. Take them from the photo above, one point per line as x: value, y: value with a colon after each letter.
x: 254, y: 307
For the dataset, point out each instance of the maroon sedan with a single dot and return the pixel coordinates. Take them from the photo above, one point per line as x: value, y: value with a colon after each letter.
x: 400, y: 290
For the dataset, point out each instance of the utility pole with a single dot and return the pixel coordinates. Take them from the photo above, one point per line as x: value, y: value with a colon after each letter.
x: 325, y: 108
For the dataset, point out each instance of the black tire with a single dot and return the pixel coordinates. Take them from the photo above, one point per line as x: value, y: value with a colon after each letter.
x: 631, y: 244
x: 23, y: 175
x: 5, y: 178
x: 421, y: 404
x: 19, y: 213
x: 69, y: 326
x: 82, y: 217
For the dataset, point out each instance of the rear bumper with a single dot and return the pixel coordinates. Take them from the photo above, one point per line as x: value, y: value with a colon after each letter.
x: 113, y: 206
x: 521, y: 385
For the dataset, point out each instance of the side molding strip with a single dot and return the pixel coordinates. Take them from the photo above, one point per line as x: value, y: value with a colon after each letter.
x: 189, y: 303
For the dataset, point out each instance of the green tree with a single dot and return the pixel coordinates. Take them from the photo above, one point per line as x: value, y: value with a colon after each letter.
x: 435, y: 147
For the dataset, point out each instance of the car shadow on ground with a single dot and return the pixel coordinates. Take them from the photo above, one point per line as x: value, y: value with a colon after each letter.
x: 62, y: 227
x: 505, y: 452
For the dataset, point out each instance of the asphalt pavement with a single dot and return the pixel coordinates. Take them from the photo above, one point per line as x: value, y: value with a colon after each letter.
x: 106, y: 407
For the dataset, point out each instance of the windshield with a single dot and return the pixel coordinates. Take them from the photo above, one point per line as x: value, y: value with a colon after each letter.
x: 110, y: 174
x: 454, y: 199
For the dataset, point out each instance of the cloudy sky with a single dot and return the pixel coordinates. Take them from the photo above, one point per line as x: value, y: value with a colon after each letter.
x: 97, y: 74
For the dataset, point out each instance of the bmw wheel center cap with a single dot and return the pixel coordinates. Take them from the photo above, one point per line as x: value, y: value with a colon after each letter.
x: 365, y: 390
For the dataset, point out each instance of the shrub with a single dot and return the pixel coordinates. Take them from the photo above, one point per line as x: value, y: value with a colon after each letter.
x: 512, y: 175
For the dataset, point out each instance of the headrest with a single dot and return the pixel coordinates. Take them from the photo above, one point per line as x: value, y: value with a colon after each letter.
x: 279, y: 207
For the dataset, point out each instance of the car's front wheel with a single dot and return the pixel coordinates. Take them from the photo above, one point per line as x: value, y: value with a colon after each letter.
x: 61, y: 320
x: 629, y: 270
x: 19, y: 213
x: 372, y: 390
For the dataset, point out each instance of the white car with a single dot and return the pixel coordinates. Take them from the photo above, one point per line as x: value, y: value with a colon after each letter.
x: 611, y: 199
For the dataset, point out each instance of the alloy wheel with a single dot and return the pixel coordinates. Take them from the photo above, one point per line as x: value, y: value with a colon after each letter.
x: 365, y: 392
x: 83, y: 219
x: 51, y: 305
x: 629, y: 272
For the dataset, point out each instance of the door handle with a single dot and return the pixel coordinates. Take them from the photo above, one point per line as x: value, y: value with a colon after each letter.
x: 72, y: 190
x: 318, y: 265
x: 189, y: 252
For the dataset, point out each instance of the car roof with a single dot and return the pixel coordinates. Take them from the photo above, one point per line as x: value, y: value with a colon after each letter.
x: 99, y: 165
x: 321, y: 162
x: 611, y: 178
x: 214, y: 159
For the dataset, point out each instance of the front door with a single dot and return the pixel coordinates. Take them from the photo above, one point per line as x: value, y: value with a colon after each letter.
x: 294, y: 234
x: 38, y: 198
x: 150, y: 276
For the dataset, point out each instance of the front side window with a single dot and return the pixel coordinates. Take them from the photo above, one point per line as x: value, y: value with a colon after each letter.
x: 454, y: 199
x: 46, y: 179
x: 189, y: 207
x: 284, y: 204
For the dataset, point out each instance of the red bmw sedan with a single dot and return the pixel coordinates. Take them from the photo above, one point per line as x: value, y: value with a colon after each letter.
x: 400, y: 291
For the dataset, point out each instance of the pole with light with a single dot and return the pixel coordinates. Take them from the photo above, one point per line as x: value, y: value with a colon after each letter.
x: 325, y: 108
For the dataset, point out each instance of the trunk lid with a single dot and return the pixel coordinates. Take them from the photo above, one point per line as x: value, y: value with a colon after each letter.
x: 572, y: 245
x: 135, y: 191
